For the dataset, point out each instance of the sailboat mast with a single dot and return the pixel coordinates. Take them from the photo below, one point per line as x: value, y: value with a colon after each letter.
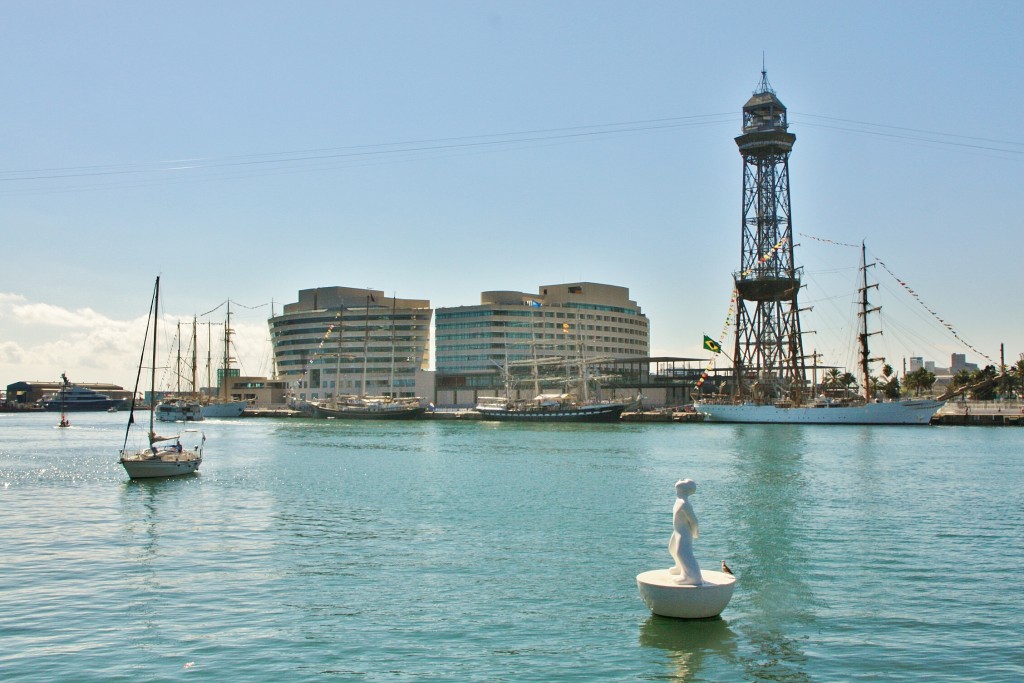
x: 533, y: 348
x: 195, y: 352
x: 227, y: 355
x: 177, y: 367
x: 391, y: 379
x: 583, y: 359
x: 366, y: 342
x: 209, y: 354
x: 337, y: 363
x: 864, y: 322
x: 152, y: 369
x: 865, y: 309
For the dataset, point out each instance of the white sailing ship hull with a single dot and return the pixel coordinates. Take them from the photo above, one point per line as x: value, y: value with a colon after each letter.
x: 226, y: 409
x: 908, y: 412
x: 143, y: 466
x: 179, y: 411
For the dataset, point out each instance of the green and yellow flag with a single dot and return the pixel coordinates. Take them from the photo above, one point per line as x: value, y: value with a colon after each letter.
x: 711, y: 345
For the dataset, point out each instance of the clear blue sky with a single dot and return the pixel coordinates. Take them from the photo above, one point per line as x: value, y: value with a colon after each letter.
x: 247, y: 150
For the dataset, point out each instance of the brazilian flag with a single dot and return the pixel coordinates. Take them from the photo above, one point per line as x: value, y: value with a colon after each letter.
x: 711, y: 345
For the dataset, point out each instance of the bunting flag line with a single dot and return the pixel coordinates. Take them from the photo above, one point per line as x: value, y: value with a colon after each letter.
x: 721, y: 338
x: 764, y: 258
x: 296, y: 382
x: 708, y: 342
x: 935, y: 315
x: 909, y: 291
x: 822, y: 239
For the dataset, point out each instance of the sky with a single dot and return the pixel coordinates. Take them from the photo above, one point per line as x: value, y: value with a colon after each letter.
x: 246, y: 150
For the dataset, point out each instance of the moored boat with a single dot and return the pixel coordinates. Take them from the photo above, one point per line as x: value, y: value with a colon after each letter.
x: 73, y: 398
x: 224, y: 409
x: 164, y: 456
x: 903, y: 412
x: 548, y: 408
x: 367, y: 408
x: 860, y: 410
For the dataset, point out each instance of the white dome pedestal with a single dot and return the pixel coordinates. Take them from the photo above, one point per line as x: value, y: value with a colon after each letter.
x: 664, y: 597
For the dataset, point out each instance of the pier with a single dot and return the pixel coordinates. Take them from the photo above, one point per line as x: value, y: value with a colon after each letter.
x: 981, y: 414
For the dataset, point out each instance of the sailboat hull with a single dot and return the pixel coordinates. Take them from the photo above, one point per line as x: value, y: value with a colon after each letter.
x: 593, y: 413
x: 227, y: 409
x: 908, y: 412
x: 143, y: 466
x: 369, y: 412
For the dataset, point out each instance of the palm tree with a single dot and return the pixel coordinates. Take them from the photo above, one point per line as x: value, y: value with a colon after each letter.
x: 919, y: 380
x: 832, y: 380
x: 891, y: 383
x: 847, y: 380
x: 1017, y: 371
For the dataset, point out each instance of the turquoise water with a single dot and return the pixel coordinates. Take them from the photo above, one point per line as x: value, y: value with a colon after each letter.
x: 453, y: 551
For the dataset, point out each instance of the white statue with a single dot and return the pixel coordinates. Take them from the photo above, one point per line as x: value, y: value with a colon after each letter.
x: 684, y: 531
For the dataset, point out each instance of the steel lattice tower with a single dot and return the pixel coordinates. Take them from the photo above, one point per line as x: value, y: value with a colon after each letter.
x: 769, y: 359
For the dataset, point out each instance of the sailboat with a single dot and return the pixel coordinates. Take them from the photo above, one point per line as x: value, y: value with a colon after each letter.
x: 164, y: 456
x: 64, y: 422
x: 223, y: 406
x: 365, y: 407
x: 865, y: 409
x: 570, y: 406
x: 181, y: 407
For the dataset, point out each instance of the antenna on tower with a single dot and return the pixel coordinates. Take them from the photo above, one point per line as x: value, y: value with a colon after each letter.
x: 763, y: 86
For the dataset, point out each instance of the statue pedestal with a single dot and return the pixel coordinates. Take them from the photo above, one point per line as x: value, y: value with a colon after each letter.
x: 665, y: 597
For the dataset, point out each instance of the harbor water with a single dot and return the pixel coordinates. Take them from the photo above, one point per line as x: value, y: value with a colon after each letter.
x: 472, y: 551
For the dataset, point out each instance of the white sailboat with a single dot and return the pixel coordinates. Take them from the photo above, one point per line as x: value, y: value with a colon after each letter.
x: 181, y: 406
x: 165, y: 456
x: 223, y: 406
x: 865, y: 409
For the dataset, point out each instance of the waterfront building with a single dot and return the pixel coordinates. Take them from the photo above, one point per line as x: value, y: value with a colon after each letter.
x: 337, y: 341
x: 510, y: 329
x: 31, y: 392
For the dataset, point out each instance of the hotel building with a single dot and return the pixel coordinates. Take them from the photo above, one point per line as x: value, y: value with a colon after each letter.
x: 521, y: 330
x: 320, y: 343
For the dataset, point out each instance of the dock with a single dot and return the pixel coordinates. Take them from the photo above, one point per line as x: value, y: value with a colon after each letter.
x: 981, y: 414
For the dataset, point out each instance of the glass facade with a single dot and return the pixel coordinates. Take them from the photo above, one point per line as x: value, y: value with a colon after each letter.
x: 561, y: 322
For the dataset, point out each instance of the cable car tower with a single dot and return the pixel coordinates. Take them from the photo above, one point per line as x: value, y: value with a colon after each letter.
x: 769, y: 360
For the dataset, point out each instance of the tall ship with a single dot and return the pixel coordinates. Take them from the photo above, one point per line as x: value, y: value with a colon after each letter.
x: 769, y: 366
x: 387, y: 406
x: 223, y: 405
x: 575, y: 404
x: 548, y: 408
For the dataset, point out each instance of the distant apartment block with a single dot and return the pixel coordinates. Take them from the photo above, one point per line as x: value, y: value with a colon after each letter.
x: 320, y: 343
x: 594, y: 320
x: 958, y: 362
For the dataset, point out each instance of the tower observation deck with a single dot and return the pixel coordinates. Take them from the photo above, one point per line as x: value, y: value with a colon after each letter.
x: 769, y: 361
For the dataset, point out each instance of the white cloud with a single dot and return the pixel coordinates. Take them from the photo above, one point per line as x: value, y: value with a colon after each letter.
x: 42, y: 340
